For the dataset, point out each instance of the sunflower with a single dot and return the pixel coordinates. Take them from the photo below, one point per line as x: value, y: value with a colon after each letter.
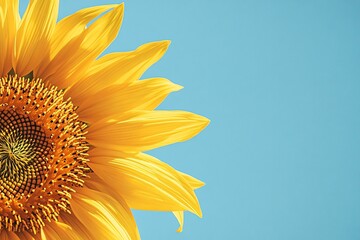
x: 74, y: 127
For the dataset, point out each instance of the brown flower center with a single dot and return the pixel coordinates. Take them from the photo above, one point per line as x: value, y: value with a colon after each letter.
x: 43, y: 153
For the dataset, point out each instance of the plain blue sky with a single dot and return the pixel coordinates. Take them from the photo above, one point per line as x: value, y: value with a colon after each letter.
x: 280, y: 81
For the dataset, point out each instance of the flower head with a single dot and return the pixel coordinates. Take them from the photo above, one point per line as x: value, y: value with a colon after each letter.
x: 73, y: 128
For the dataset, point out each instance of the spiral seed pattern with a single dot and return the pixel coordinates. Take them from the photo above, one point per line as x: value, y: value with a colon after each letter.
x: 43, y: 153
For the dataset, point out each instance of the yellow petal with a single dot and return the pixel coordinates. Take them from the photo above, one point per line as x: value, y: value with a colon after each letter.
x: 146, y: 130
x: 146, y: 183
x: 180, y: 217
x: 118, y: 68
x: 96, y: 183
x: 9, y: 20
x: 59, y: 231
x: 73, y: 25
x: 33, y: 37
x: 67, y: 30
x: 193, y: 182
x: 117, y: 99
x: 76, y: 225
x: 104, y: 217
x: 70, y: 66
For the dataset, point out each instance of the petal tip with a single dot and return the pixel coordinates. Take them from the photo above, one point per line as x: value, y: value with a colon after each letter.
x: 201, y: 183
x: 177, y: 87
x: 165, y: 44
x: 198, y: 212
x: 120, y: 8
x: 204, y: 121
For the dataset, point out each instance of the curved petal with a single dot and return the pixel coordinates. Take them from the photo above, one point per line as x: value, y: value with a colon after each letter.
x: 73, y: 25
x: 117, y: 99
x: 67, y: 30
x: 146, y: 130
x: 9, y: 20
x: 76, y: 225
x: 59, y: 231
x: 96, y: 183
x: 118, y: 68
x: 193, y: 182
x: 146, y: 183
x: 180, y: 218
x: 33, y: 36
x: 70, y: 66
x: 103, y: 216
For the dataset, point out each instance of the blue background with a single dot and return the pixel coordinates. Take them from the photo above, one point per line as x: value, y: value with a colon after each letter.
x: 280, y: 82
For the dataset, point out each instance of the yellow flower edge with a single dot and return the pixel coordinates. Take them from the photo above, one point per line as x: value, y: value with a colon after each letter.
x: 74, y: 128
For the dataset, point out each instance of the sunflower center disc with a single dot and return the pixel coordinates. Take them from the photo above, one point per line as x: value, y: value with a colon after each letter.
x: 23, y: 146
x: 43, y: 153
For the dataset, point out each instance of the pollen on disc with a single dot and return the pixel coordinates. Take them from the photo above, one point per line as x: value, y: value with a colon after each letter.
x: 43, y: 153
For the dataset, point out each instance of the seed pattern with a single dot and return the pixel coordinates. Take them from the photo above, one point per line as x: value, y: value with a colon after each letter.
x: 22, y: 146
x: 43, y: 153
